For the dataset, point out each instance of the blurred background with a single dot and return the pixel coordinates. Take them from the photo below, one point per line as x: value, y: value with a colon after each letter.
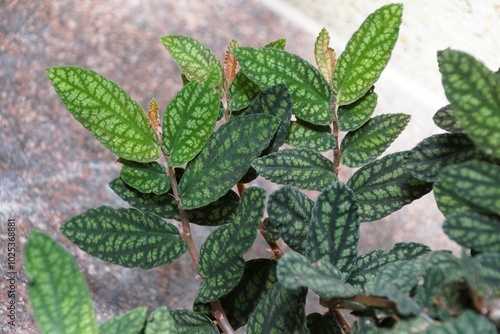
x: 52, y: 169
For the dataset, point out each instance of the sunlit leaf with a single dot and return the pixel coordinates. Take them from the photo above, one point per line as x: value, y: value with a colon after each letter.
x: 131, y: 322
x: 161, y: 322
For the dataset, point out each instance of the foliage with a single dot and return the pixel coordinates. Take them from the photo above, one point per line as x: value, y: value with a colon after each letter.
x: 279, y: 98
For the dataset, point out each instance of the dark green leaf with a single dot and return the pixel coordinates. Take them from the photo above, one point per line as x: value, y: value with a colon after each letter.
x: 131, y: 322
x: 242, y: 92
x: 220, y: 212
x: 58, y: 292
x: 334, y: 230
x: 145, y: 177
x: 474, y: 93
x: 189, y: 322
x: 356, y: 114
x: 366, y: 54
x: 290, y: 210
x: 295, y: 270
x: 474, y: 230
x: 385, y: 186
x: 314, y: 137
x: 310, y: 92
x: 188, y: 122
x: 225, y: 159
x: 434, y: 153
x: 107, y: 111
x: 366, y: 266
x: 468, y: 322
x: 222, y: 281
x: 446, y: 120
x: 126, y: 237
x: 324, y: 55
x: 365, y: 144
x: 472, y: 274
x: 297, y: 167
x: 282, y: 311
x: 323, y: 324
x: 161, y: 322
x: 271, y: 230
x: 489, y: 264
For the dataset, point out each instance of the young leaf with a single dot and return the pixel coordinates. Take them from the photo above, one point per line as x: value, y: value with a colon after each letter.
x: 474, y: 93
x: 324, y: 55
x: 225, y: 159
x: 161, y: 321
x: 188, y: 122
x: 125, y: 237
x: 195, y: 60
x: 154, y: 116
x: 107, y: 111
x: 318, y: 138
x: 290, y: 210
x: 385, y: 186
x: 467, y: 322
x: 230, y: 62
x: 432, y: 154
x: 446, y: 120
x: 58, y: 292
x: 366, y: 54
x: 365, y: 144
x: 297, y: 167
x: 310, y: 92
x: 356, y: 114
x: 281, y: 311
x: 145, y: 177
x: 131, y: 322
x: 334, y: 230
x: 189, y: 322
x: 295, y: 271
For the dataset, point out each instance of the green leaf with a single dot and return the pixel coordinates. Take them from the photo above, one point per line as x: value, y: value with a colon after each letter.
x: 161, y: 322
x: 472, y: 184
x: 474, y: 230
x: 474, y: 93
x: 297, y: 167
x: 282, y: 311
x: 145, y: 177
x: 290, y: 210
x: 221, y: 256
x: 385, y: 186
x: 242, y: 92
x: 107, y: 111
x: 366, y: 266
x: 324, y: 55
x: 323, y: 324
x: 188, y: 122
x: 225, y: 159
x: 271, y: 230
x: 472, y: 274
x: 356, y: 114
x: 318, y: 138
x: 434, y: 153
x: 126, y: 237
x: 195, y: 60
x: 334, y: 230
x: 489, y: 264
x: 222, y: 211
x: 189, y: 322
x: 365, y: 144
x: 131, y: 322
x: 468, y: 322
x: 277, y: 44
x: 311, y: 94
x: 366, y: 54
x: 446, y: 120
x: 295, y: 270
x: 58, y: 292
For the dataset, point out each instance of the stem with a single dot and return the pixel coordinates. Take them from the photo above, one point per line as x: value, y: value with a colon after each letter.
x: 220, y: 316
x: 335, y: 132
x: 346, y: 326
x: 275, y: 248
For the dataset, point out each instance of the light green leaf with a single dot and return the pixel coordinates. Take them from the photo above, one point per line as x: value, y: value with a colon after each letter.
x: 323, y: 324
x: 290, y: 210
x: 189, y: 322
x: 107, y: 111
x: 356, y: 114
x: 225, y: 159
x: 311, y: 94
x: 318, y: 138
x: 295, y: 270
x: 145, y: 177
x: 432, y: 154
x: 161, y: 322
x: 468, y: 322
x: 366, y: 54
x: 281, y: 311
x: 131, y: 322
x: 126, y: 237
x: 334, y: 230
x: 474, y: 93
x: 188, y: 122
x: 58, y: 292
x: 365, y: 144
x: 324, y: 55
x: 446, y: 120
x: 385, y: 186
x: 277, y: 44
x: 297, y: 167
x: 195, y: 60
